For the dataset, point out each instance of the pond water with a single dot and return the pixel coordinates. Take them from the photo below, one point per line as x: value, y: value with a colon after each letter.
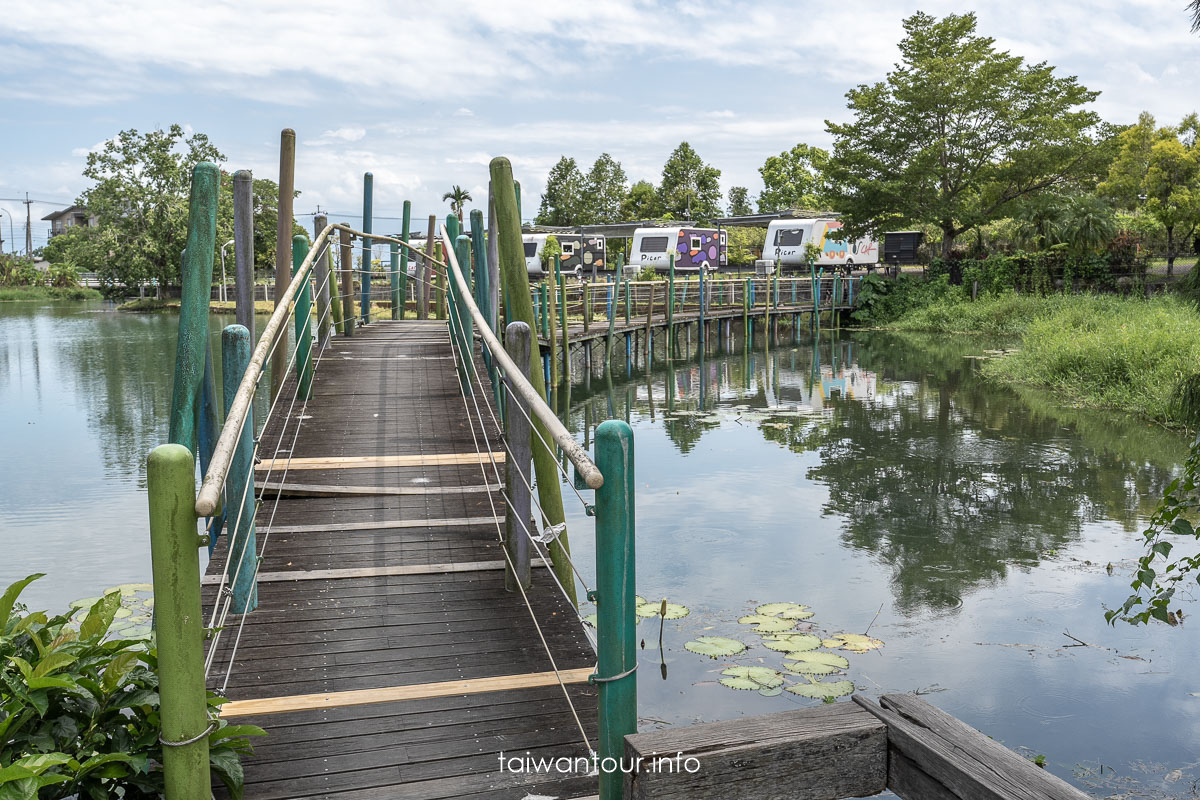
x: 967, y: 526
x: 873, y: 477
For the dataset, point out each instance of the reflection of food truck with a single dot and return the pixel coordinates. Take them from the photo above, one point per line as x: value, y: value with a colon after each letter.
x: 693, y: 248
x: 577, y: 251
x: 786, y: 239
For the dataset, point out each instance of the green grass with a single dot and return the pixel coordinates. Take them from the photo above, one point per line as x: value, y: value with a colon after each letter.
x: 1004, y: 315
x: 16, y: 294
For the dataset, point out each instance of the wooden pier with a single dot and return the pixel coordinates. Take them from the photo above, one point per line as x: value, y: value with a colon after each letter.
x: 386, y: 659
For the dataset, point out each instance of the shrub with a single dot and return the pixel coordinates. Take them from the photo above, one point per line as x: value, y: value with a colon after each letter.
x: 881, y: 300
x: 79, y: 712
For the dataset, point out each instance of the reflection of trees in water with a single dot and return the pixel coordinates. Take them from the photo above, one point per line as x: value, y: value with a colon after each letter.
x: 947, y: 478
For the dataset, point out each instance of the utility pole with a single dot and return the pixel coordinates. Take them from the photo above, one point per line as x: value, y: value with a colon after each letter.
x: 28, y: 227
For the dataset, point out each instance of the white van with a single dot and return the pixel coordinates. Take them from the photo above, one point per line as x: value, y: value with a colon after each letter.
x: 786, y: 239
x: 693, y: 248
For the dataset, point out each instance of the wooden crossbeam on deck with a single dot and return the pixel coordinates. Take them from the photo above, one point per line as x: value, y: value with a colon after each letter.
x: 370, y: 462
x: 333, y: 490
x: 391, y: 694
x: 332, y: 527
x: 373, y: 572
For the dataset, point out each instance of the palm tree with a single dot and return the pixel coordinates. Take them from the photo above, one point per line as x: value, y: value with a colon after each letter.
x: 457, y: 196
x: 1194, y: 9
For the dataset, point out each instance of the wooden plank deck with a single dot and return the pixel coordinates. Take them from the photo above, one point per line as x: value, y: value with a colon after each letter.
x: 422, y: 600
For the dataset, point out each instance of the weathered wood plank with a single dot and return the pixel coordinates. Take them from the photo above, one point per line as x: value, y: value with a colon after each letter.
x: 304, y: 702
x: 333, y: 490
x: 373, y: 525
x: 373, y: 572
x: 823, y: 753
x: 368, y: 462
x: 950, y: 752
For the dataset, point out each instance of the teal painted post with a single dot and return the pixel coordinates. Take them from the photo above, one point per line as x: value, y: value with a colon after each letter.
x: 193, y: 313
x: 208, y: 430
x: 614, y: 598
x: 479, y: 250
x: 700, y: 330
x: 175, y: 564
x: 671, y: 297
x: 303, y: 312
x: 394, y: 275
x: 627, y: 301
x: 368, y: 215
x: 405, y: 229
x: 466, y: 328
x: 239, y: 494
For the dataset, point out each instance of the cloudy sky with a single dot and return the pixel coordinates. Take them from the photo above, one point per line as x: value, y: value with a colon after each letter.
x: 424, y: 94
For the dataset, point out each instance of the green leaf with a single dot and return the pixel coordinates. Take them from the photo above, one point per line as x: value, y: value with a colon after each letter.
x: 822, y: 690
x: 53, y: 663
x: 39, y: 763
x: 52, y: 683
x: 234, y: 731
x: 674, y: 610
x: 714, y: 646
x: 117, y: 669
x: 1183, y: 527
x: 1163, y: 549
x: 784, y: 610
x: 765, y: 624
x: 15, y: 772
x: 20, y: 789
x: 228, y: 767
x: 793, y: 643
x: 10, y: 597
x: 762, y: 677
x: 100, y: 760
x: 23, y: 665
x: 100, y: 616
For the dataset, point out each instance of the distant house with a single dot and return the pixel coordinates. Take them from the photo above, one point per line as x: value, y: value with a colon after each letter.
x: 69, y: 218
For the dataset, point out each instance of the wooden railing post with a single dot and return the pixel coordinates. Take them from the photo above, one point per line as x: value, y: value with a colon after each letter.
x: 616, y: 652
x: 394, y: 279
x: 461, y: 315
x: 364, y: 302
x: 324, y: 282
x: 346, y: 260
x: 517, y: 474
x: 175, y: 563
x: 240, y: 504
x: 243, y: 248
x: 405, y: 233
x: 283, y: 243
x: 303, y: 313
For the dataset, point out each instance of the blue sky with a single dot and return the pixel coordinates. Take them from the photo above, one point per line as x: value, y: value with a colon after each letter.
x: 424, y: 94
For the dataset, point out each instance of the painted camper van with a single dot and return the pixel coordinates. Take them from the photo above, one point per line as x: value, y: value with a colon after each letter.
x: 786, y: 239
x: 693, y: 247
x: 577, y: 251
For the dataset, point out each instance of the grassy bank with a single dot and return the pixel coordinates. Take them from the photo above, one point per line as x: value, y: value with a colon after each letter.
x: 1091, y: 351
x: 25, y: 293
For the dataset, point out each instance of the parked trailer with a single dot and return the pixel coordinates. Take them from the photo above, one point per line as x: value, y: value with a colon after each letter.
x: 693, y: 247
x: 786, y: 239
x: 577, y: 252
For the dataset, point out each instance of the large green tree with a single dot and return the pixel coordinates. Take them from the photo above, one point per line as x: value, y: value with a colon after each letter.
x: 140, y: 199
x: 957, y: 133
x: 603, y: 190
x: 1158, y: 170
x: 562, y: 203
x: 690, y: 189
x: 641, y: 202
x: 739, y: 201
x: 794, y: 179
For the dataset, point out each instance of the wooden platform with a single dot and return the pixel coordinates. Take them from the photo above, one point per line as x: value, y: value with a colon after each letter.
x: 396, y: 593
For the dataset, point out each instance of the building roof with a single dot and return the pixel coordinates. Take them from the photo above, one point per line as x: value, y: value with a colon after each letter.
x: 56, y: 215
x: 762, y: 220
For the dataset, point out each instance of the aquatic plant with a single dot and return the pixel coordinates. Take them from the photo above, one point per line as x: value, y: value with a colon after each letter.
x: 714, y: 646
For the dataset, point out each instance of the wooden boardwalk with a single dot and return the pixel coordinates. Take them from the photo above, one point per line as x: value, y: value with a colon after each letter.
x: 383, y: 576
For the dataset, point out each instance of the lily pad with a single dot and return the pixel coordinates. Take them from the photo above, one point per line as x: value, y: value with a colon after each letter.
x: 793, y: 642
x: 821, y: 690
x: 590, y: 619
x: 778, y: 690
x: 808, y: 668
x: 784, y: 611
x: 714, y: 646
x: 639, y: 600
x: 764, y: 624
x: 86, y: 602
x: 127, y: 589
x: 744, y: 684
x: 674, y: 610
x: 828, y: 659
x: 765, y: 677
x: 854, y: 642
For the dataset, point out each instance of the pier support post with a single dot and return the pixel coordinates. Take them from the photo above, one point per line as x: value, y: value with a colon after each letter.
x: 283, y: 243
x: 614, y: 598
x: 325, y: 287
x: 239, y: 489
x: 405, y: 256
x: 394, y: 279
x: 175, y: 562
x: 517, y: 474
x: 303, y: 315
x: 461, y: 316
x: 347, y: 261
x: 243, y: 248
x: 368, y: 216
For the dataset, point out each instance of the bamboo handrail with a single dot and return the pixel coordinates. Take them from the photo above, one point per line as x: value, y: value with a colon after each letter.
x: 561, y: 436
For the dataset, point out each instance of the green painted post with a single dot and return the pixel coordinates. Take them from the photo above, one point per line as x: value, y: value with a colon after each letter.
x: 394, y: 275
x: 544, y: 308
x: 515, y: 280
x: 193, y: 313
x: 627, y: 308
x: 479, y: 250
x: 562, y: 312
x: 587, y: 306
x: 368, y: 216
x: 616, y: 651
x: 303, y: 314
x: 239, y: 500
x: 175, y: 563
x: 746, y: 310
x: 405, y: 230
x: 671, y: 297
x: 466, y: 328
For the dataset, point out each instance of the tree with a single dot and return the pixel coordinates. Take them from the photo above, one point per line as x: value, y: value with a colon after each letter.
x: 957, y: 133
x: 603, y: 191
x: 1158, y: 169
x: 794, y: 179
x: 739, y: 201
x: 140, y: 199
x: 562, y: 203
x: 641, y: 202
x: 458, y: 197
x: 690, y: 189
